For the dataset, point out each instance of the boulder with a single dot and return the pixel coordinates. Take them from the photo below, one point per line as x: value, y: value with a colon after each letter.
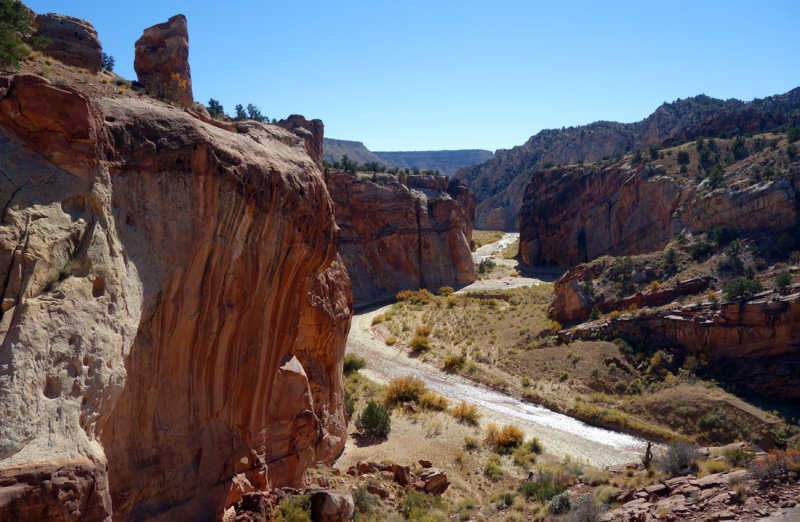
x: 332, y: 506
x: 162, y: 61
x: 435, y: 481
x: 70, y: 40
x: 401, y: 474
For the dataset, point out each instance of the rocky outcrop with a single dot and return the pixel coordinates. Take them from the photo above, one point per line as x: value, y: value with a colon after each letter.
x: 311, y: 131
x: 69, y: 40
x: 174, y: 312
x: 577, y: 214
x: 497, y: 183
x: 404, y: 232
x: 162, y: 61
x: 753, y: 340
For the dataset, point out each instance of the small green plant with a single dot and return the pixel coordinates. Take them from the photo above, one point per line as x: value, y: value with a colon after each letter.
x: 454, y: 363
x: 294, y: 509
x: 445, y: 291
x: 417, y: 506
x: 783, y: 280
x: 492, y: 467
x: 374, y: 421
x: 353, y: 363
x: 700, y: 250
x: 540, y: 490
x: 486, y: 265
x: 560, y: 503
x: 420, y: 343
x: 595, y: 313
x: 740, y: 288
x: 470, y: 443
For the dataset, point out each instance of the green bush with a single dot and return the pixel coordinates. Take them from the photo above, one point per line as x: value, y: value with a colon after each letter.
x: 294, y: 509
x: 559, y: 504
x: 486, y: 265
x: 353, y: 363
x: 14, y: 28
x: 374, y: 421
x: 540, y: 490
x: 420, y: 343
x: 417, y: 505
x: 679, y: 458
x: 783, y: 280
x: 683, y: 157
x: 349, y: 404
x: 595, y: 313
x: 700, y: 250
x: 492, y: 468
x: 740, y: 288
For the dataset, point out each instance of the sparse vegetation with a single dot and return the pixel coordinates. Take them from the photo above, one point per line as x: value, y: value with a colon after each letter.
x: 374, y: 421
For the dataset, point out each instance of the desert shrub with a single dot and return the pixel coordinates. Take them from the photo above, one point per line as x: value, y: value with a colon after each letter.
x: 404, y: 295
x: 454, y: 363
x: 486, y: 265
x: 540, y: 490
x: 467, y: 413
x: 504, y: 500
x: 679, y: 459
x: 470, y: 443
x: 404, y: 389
x: 505, y: 440
x: 700, y: 250
x: 563, y: 376
x: 433, y: 401
x: 294, y: 509
x: 378, y: 319
x: 560, y: 503
x: 374, y: 421
x: 738, y: 457
x: 353, y: 363
x: 595, y: 313
x: 525, y: 454
x: 711, y: 466
x: 585, y: 509
x: 683, y: 157
x: 424, y: 330
x: 365, y: 502
x: 445, y: 291
x: 349, y: 404
x: 420, y: 343
x: 783, y: 280
x: 737, y: 288
x: 390, y: 340
x: 492, y: 467
x: 420, y: 506
x: 777, y: 463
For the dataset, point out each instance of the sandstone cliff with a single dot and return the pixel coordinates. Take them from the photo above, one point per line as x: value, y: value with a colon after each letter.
x: 174, y: 311
x: 572, y: 215
x: 497, y: 182
x: 403, y: 232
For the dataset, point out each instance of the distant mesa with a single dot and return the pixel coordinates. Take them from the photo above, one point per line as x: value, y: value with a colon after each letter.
x: 445, y: 161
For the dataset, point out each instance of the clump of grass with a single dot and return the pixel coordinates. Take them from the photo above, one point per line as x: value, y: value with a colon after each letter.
x: 404, y: 389
x: 467, y: 413
x: 541, y: 490
x: 470, y: 443
x: 454, y: 363
x: 433, y: 401
x: 420, y: 343
x: 492, y: 468
x: 391, y: 340
x: 378, y: 319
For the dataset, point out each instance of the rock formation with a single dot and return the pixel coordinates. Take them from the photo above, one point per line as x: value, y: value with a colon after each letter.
x: 405, y: 232
x: 572, y: 215
x: 70, y: 40
x: 498, y: 183
x: 174, y: 311
x: 162, y: 61
x: 311, y: 131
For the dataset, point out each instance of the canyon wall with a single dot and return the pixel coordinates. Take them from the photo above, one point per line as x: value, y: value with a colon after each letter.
x: 576, y: 214
x: 174, y: 311
x: 403, y: 232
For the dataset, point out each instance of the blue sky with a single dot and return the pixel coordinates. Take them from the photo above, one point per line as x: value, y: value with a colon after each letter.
x: 423, y: 75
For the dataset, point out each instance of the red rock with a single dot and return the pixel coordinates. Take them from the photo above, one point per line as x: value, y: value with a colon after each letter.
x: 332, y: 506
x: 425, y: 463
x: 197, y: 332
x: 162, y: 61
x: 70, y: 40
x: 656, y: 489
x: 377, y: 490
x: 401, y: 474
x: 311, y: 132
x: 435, y: 481
x: 395, y: 237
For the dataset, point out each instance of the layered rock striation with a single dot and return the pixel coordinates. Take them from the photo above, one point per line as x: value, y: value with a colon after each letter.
x: 403, y: 232
x: 174, y: 312
x: 572, y: 215
x: 69, y: 40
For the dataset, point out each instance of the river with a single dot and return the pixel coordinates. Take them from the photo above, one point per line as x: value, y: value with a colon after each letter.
x: 560, y: 434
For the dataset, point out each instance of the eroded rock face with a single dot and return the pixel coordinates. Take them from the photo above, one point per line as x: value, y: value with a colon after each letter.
x: 162, y: 61
x: 403, y: 232
x: 311, y: 131
x: 754, y: 340
x: 175, y: 312
x: 70, y: 40
x: 577, y: 214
